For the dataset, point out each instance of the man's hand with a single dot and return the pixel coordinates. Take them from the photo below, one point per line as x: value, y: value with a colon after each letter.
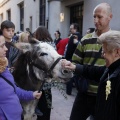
x: 67, y: 65
x: 75, y: 40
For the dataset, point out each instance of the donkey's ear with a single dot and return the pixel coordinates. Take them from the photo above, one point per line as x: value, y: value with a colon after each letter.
x: 24, y: 47
x: 32, y: 40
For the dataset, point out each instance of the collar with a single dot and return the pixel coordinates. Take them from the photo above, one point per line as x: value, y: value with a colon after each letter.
x: 114, y: 65
x: 94, y: 34
x: 113, y: 70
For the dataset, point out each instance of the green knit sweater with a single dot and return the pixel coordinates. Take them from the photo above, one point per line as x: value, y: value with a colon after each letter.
x: 85, y: 53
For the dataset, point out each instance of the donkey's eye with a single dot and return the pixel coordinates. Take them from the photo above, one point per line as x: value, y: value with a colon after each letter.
x: 42, y: 54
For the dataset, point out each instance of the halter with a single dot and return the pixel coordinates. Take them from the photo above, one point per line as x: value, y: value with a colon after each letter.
x: 48, y: 72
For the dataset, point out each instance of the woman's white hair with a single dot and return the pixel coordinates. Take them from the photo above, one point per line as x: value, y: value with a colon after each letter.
x: 111, y: 39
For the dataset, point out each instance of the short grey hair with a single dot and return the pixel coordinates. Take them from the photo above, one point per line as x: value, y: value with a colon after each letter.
x: 111, y: 39
x: 104, y: 6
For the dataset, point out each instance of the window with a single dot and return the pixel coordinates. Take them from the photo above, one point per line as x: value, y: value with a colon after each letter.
x: 42, y: 12
x: 76, y: 15
x: 1, y: 17
x: 22, y: 16
x: 9, y: 15
x: 30, y: 23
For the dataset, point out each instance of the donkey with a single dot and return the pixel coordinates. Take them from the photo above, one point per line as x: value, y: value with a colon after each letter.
x: 38, y: 62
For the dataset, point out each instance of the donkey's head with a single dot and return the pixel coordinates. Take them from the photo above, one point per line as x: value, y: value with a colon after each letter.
x: 43, y: 59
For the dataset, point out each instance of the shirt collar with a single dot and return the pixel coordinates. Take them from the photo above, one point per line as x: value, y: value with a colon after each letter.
x: 94, y: 35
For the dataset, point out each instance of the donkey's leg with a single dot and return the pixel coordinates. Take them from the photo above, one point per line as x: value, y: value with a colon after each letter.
x: 29, y: 110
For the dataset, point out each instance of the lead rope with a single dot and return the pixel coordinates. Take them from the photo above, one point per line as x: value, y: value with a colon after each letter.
x: 49, y: 71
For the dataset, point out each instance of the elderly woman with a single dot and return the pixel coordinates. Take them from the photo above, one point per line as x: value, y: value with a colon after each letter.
x: 108, y: 96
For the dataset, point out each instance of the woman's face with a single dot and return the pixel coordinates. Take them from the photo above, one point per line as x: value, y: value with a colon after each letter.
x: 56, y: 35
x: 3, y: 48
x: 109, y: 56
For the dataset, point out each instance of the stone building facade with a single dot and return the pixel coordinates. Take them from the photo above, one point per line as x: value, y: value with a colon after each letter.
x: 54, y: 14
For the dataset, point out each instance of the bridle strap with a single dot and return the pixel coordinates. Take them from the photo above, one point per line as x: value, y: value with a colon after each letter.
x: 54, y: 64
x: 42, y: 68
x: 47, y: 72
x: 31, y: 62
x: 38, y: 66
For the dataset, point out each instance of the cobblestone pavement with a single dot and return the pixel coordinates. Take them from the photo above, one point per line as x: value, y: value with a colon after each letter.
x: 61, y: 106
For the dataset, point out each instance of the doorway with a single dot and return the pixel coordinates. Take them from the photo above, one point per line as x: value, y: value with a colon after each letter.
x: 76, y: 15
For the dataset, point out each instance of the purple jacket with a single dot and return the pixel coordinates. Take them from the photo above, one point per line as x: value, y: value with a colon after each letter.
x: 10, y: 107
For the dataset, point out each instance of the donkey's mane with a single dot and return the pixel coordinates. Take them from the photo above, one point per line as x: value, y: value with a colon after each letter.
x: 21, y: 74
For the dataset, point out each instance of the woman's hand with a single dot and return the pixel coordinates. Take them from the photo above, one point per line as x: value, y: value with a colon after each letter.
x: 68, y: 65
x: 37, y: 95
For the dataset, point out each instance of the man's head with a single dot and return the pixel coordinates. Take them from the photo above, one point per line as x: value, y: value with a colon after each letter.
x: 102, y: 15
x: 74, y: 27
x: 8, y: 29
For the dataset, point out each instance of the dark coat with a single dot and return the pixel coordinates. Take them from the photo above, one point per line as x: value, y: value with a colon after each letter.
x: 12, y: 53
x: 56, y: 41
x: 105, y: 109
x: 71, y: 46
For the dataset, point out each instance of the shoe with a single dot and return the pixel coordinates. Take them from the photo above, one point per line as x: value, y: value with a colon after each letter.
x: 38, y: 112
x: 68, y: 93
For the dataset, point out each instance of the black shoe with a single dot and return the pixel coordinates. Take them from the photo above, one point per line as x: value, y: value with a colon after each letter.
x: 68, y: 93
x: 38, y: 112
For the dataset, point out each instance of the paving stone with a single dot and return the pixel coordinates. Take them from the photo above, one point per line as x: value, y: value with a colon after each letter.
x: 61, y: 106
